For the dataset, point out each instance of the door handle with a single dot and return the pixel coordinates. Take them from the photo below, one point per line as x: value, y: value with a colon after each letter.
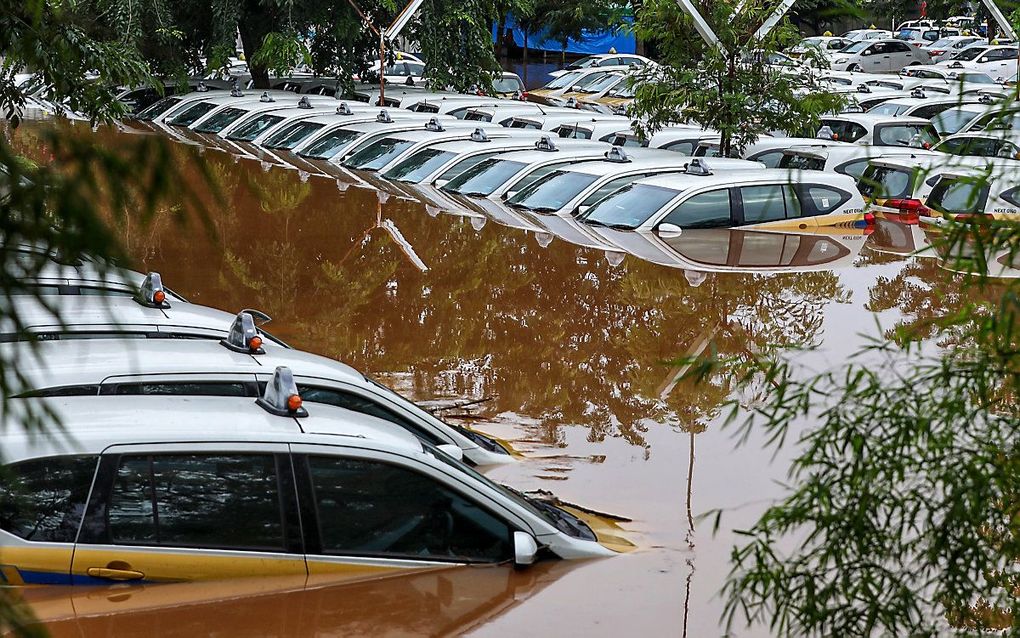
x: 110, y: 573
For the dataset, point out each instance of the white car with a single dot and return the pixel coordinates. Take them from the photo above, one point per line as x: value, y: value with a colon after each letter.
x: 919, y: 104
x: 851, y: 159
x: 821, y: 46
x: 996, y: 143
x: 509, y: 173
x: 552, y: 119
x: 996, y: 61
x: 924, y: 35
x: 858, y: 35
x: 946, y: 48
x: 604, y: 60
x: 767, y: 150
x: 881, y: 130
x: 963, y: 117
x: 237, y: 365
x: 878, y: 56
x: 966, y: 192
x: 162, y: 489
x: 702, y: 198
x: 440, y: 163
x: 381, y: 152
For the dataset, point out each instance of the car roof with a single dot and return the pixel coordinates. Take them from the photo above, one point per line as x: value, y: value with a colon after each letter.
x: 90, y: 424
x: 520, y: 141
x: 456, y: 130
x: 996, y: 134
x: 682, y: 181
x: 870, y: 119
x: 89, y: 361
x: 863, y: 151
x: 77, y: 312
x: 564, y: 151
x: 645, y: 158
x: 371, y: 113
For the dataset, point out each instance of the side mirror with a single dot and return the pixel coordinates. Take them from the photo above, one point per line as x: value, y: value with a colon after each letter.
x: 451, y: 451
x: 525, y: 549
x: 669, y: 230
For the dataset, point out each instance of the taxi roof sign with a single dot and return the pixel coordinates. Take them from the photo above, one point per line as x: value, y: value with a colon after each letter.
x: 243, y: 336
x: 151, y: 292
x: 281, y: 396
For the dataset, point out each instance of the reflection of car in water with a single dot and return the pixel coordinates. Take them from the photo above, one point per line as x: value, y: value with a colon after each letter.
x: 896, y: 237
x: 963, y: 254
x: 738, y: 250
x: 431, y: 602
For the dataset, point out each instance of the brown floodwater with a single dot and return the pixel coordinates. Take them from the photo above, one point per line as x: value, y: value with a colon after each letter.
x: 561, y: 350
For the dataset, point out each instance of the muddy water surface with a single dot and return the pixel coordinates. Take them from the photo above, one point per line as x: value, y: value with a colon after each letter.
x: 555, y: 349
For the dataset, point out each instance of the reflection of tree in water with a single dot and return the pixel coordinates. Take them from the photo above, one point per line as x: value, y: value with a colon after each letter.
x: 556, y: 334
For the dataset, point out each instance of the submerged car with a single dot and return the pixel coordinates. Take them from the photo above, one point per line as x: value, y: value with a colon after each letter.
x: 703, y: 198
x: 157, y: 489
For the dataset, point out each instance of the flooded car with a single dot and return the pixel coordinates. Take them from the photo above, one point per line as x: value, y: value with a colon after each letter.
x: 213, y: 488
x: 236, y: 366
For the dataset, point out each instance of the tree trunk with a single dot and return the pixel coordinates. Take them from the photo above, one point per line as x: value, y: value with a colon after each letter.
x: 501, y: 51
x: 255, y: 23
x: 524, y: 64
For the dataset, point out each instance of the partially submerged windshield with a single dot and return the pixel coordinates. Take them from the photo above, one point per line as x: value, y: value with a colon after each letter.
x: 158, y: 108
x: 292, y: 135
x: 419, y: 165
x: 485, y: 178
x: 602, y: 84
x: 379, y: 154
x: 553, y: 192
x: 191, y: 114
x: 255, y: 127
x: 629, y: 207
x: 221, y: 120
x: 330, y: 144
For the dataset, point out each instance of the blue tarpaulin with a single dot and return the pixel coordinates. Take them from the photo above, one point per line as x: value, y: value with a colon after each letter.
x: 620, y: 39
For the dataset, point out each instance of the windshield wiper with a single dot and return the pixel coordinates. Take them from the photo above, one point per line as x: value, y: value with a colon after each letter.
x: 595, y: 222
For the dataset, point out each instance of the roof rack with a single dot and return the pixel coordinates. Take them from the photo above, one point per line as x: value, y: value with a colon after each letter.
x: 281, y: 396
x: 697, y: 166
x: 617, y: 154
x: 343, y: 109
x: 266, y: 97
x: 434, y: 125
x: 478, y: 135
x: 545, y: 143
x: 384, y: 117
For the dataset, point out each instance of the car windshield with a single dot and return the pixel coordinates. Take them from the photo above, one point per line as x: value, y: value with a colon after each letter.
x: 810, y: 42
x: 566, y: 79
x: 507, y: 85
x: 802, y: 162
x: 941, y: 44
x: 629, y: 207
x: 887, y: 108
x: 158, y: 108
x: 292, y: 135
x: 484, y: 178
x: 419, y: 165
x: 378, y: 154
x: 553, y: 192
x: 191, y: 114
x: 583, y: 63
x: 975, y: 78
x: 856, y: 47
x: 254, y: 127
x: 626, y: 89
x: 221, y: 120
x: 884, y: 182
x: 977, y: 147
x: 952, y: 120
x: 329, y: 144
x: 602, y: 84
x: 917, y: 135
x: 971, y: 53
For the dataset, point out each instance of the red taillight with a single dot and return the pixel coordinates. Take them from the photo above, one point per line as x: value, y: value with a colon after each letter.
x: 524, y: 95
x: 159, y: 296
x: 910, y: 209
x: 869, y: 219
x: 254, y: 343
x: 936, y: 52
x: 294, y: 403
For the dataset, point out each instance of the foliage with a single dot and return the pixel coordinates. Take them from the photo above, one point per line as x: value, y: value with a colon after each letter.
x: 901, y: 517
x: 731, y: 88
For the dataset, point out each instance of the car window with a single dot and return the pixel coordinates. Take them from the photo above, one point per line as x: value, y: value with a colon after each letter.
x: 416, y: 167
x: 221, y: 120
x: 329, y: 145
x: 358, y: 403
x: 802, y: 162
x: 929, y: 111
x: 168, y: 388
x: 920, y: 135
x: 611, y: 186
x: 705, y: 210
x: 378, y: 154
x: 959, y: 196
x: 371, y: 508
x: 191, y: 114
x: 897, y: 47
x: 816, y: 199
x: 1012, y: 196
x: 629, y: 207
x: 846, y: 131
x: 885, y: 182
x: 44, y: 499
x: 770, y: 159
x: 684, y: 147
x: 768, y: 203
x: 186, y: 500
x: 552, y: 192
x: 465, y: 164
x: 485, y: 177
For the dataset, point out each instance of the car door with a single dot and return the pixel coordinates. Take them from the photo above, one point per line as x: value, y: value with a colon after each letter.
x: 898, y: 55
x: 770, y: 205
x: 187, y: 512
x: 42, y: 500
x: 374, y: 513
x: 874, y: 58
